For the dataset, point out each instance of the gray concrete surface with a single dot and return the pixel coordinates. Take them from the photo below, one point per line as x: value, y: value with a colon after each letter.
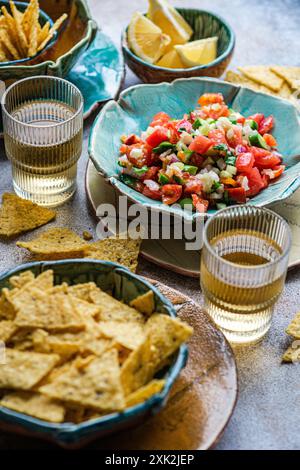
x: 267, y: 415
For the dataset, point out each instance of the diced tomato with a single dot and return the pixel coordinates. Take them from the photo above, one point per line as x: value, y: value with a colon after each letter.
x: 244, y: 162
x: 197, y: 159
x: 241, y: 120
x: 214, y: 111
x: 265, y: 158
x: 159, y: 119
x: 273, y: 173
x: 200, y: 204
x: 171, y: 193
x: 255, y: 182
x: 217, y: 136
x: 229, y: 182
x: 236, y: 138
x: 150, y: 157
x: 237, y: 194
x: 193, y: 185
x: 184, y: 124
x: 123, y: 149
x: 270, y: 140
x: 211, y: 98
x: 174, y: 135
x: 200, y: 144
x: 151, y: 173
x: 132, y: 139
x: 157, y: 137
x: 152, y: 193
x: 266, y: 125
x: 258, y: 117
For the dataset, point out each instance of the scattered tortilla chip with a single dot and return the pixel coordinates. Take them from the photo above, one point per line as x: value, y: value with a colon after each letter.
x: 263, y: 75
x: 19, y: 215
x: 113, y: 310
x: 7, y: 330
x: 292, y: 354
x: 34, y: 404
x: 145, y: 392
x: 56, y: 312
x: 56, y: 243
x: 294, y: 327
x: 238, y: 79
x: 95, y: 385
x: 285, y: 91
x: 117, y: 250
x: 290, y: 74
x: 164, y: 336
x: 87, y: 235
x: 23, y: 370
x: 128, y: 334
x: 22, y: 279
x: 144, y: 303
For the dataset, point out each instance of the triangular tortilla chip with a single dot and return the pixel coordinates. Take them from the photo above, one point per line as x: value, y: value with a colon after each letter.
x: 290, y: 74
x: 145, y: 392
x: 294, y: 327
x: 95, y: 385
x: 19, y: 215
x: 117, y: 250
x: 34, y: 404
x: 292, y: 354
x: 23, y: 370
x: 113, y: 310
x: 7, y: 329
x: 238, y: 79
x: 56, y: 243
x: 263, y: 75
x: 128, y: 334
x: 22, y: 279
x: 144, y: 303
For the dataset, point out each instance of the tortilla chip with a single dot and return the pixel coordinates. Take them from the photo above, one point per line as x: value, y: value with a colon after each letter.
x: 94, y: 385
x: 285, y: 91
x: 7, y: 311
x: 144, y: 303
x: 23, y: 370
x: 55, y: 312
x: 263, y: 75
x: 164, y: 336
x: 83, y: 291
x: 292, y: 354
x: 56, y: 243
x: 290, y: 74
x: 145, y: 392
x: 113, y: 310
x: 17, y: 15
x: 19, y: 215
x: 294, y: 327
x: 28, y: 17
x: 34, y: 404
x: 128, y: 334
x: 22, y: 340
x: 21, y: 279
x: 117, y: 250
x: 238, y: 79
x: 7, y: 330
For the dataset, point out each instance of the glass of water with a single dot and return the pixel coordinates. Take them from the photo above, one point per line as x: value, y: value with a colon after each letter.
x: 43, y: 123
x: 243, y: 268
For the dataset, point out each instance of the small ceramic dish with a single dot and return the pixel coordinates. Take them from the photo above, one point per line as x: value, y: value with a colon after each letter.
x: 205, y: 24
x: 125, y: 286
x: 44, y: 18
x: 137, y: 106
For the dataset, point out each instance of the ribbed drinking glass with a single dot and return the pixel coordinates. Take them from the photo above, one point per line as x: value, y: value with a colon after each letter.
x: 243, y: 268
x: 43, y: 121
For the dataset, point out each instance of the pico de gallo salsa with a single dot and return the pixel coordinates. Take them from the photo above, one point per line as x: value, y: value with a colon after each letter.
x: 212, y: 157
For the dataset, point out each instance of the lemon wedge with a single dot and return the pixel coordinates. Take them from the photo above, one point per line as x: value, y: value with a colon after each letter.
x: 170, y: 21
x: 171, y: 60
x: 199, y: 52
x: 146, y: 39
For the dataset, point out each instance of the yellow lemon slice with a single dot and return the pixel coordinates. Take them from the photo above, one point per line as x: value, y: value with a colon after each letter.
x: 171, y: 60
x: 146, y: 39
x: 170, y: 21
x: 199, y: 52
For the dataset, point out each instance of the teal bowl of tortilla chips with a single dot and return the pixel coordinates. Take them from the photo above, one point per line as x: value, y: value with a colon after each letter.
x: 124, y: 286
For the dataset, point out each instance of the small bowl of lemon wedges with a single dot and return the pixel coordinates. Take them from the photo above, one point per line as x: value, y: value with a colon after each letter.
x: 168, y: 43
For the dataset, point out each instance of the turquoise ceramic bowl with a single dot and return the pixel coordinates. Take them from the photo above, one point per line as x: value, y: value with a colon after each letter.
x: 205, y: 24
x: 125, y: 286
x: 44, y: 18
x: 137, y: 105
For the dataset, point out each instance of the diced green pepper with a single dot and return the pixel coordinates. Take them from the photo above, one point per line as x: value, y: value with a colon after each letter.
x: 163, y: 147
x: 188, y: 153
x: 253, y: 124
x: 140, y: 171
x: 192, y: 170
x: 163, y: 179
x: 197, y: 123
x: 215, y: 186
x: 128, y: 180
x: 257, y: 140
x: 187, y: 204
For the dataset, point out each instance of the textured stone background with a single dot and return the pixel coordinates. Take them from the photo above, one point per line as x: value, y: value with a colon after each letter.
x: 267, y: 415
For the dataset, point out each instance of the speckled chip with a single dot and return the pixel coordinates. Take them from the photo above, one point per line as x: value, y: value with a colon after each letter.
x: 23, y: 370
x: 7, y: 330
x: 19, y: 215
x: 144, y: 303
x: 128, y: 334
x: 292, y: 354
x: 22, y: 279
x: 263, y: 75
x: 145, y: 392
x: 294, y: 327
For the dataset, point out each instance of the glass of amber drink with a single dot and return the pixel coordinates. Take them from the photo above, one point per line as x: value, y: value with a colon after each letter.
x: 243, y: 268
x: 43, y: 121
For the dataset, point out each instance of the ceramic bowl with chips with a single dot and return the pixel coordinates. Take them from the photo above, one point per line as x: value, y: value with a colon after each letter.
x: 137, y: 105
x: 125, y: 286
x: 58, y: 58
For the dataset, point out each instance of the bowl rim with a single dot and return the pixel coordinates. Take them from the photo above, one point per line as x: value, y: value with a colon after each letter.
x: 175, y: 71
x: 186, y: 215
x: 65, y: 431
x: 50, y: 43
